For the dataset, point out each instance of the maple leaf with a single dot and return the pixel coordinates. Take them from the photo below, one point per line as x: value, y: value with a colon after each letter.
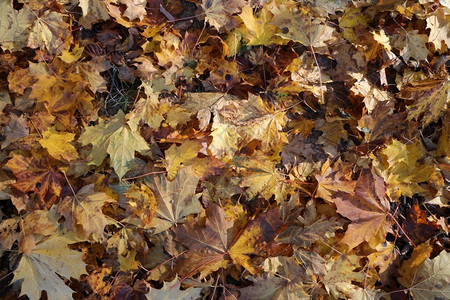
x: 381, y: 122
x: 34, y: 226
x: 14, y: 26
x: 371, y: 93
x: 412, y: 45
x: 409, y: 267
x: 439, y: 26
x: 256, y: 120
x: 431, y: 98
x: 176, y: 157
x: 58, y: 144
x: 340, y: 275
x: 168, y: 292
x: 219, y: 13
x: 62, y: 95
x: 384, y: 256
x: 225, y: 140
x: 92, y: 72
x: 16, y: 129
x: 368, y: 209
x: 39, y: 270
x: 258, y: 30
x: 292, y: 282
x: 35, y: 174
x: 128, y: 262
x: 432, y: 278
x: 351, y: 21
x: 135, y: 9
x: 83, y: 212
x: 261, y: 176
x: 116, y: 140
x: 333, y: 179
x: 203, y: 104
x: 301, y: 28
x: 140, y: 205
x: 125, y: 239
x: 309, y: 228
x: 145, y: 111
x: 398, y: 165
x: 175, y: 199
x: 211, y: 247
x: 306, y: 76
x: 92, y: 11
x: 50, y: 32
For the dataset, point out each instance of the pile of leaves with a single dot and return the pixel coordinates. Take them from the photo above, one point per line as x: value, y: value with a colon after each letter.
x: 224, y: 149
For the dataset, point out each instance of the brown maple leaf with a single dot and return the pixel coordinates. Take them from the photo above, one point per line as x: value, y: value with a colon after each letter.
x: 368, y: 209
x: 212, y: 247
x: 36, y: 175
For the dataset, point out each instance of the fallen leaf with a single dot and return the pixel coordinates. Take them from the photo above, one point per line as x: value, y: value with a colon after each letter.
x: 439, y: 26
x: 431, y: 97
x: 412, y: 45
x: 169, y: 292
x: 116, y: 140
x: 368, y: 209
x: 258, y: 30
x: 58, y: 144
x: 177, y: 157
x: 35, y: 174
x: 83, y: 213
x: 341, y: 273
x: 432, y: 278
x: 175, y: 199
x: 219, y: 13
x: 212, y: 247
x: 40, y: 270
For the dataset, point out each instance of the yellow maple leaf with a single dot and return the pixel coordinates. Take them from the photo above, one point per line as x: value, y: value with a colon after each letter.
x: 58, y: 144
x: 115, y: 139
x: 255, y: 119
x: 40, y: 270
x: 181, y: 155
x: 50, y: 32
x: 398, y: 165
x: 258, y: 30
x: 225, y: 140
x: 261, y: 176
x: 301, y: 28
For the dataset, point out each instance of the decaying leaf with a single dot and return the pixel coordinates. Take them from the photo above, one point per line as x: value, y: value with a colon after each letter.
x: 39, y: 270
x: 83, y: 212
x: 432, y: 278
x: 431, y: 98
x: 219, y: 13
x: 175, y: 199
x: 398, y: 165
x: 170, y: 291
x: 340, y: 275
x: 368, y: 209
x: 35, y: 174
x: 176, y: 157
x: 258, y: 30
x: 116, y: 140
x: 212, y: 247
